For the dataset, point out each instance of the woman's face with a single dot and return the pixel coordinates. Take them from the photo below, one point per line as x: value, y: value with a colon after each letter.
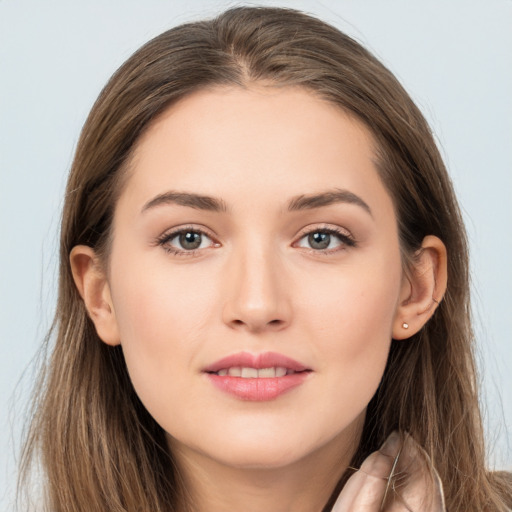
x: 255, y: 275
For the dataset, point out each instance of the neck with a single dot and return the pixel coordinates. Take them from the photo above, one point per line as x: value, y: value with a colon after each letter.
x: 302, y: 486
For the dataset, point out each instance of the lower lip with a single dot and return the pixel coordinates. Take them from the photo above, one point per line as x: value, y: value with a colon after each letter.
x: 258, y: 390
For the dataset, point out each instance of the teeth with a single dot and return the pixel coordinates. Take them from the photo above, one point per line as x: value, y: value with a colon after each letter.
x: 280, y: 372
x: 249, y: 373
x: 254, y: 373
x: 267, y: 372
x: 235, y: 371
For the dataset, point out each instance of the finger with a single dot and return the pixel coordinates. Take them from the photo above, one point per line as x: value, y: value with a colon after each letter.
x: 416, y: 484
x: 365, y: 490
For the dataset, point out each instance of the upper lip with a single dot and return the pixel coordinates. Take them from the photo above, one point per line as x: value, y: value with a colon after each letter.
x: 258, y: 361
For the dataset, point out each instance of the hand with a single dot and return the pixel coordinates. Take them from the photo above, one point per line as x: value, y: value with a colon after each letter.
x: 399, y: 477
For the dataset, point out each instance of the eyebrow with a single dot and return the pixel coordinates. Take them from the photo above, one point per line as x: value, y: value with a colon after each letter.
x: 302, y: 202
x: 197, y: 201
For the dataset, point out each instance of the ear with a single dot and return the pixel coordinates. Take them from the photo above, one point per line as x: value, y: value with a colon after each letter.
x: 92, y: 284
x: 422, y: 289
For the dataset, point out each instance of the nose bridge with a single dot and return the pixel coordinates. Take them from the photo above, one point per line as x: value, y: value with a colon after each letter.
x: 257, y: 296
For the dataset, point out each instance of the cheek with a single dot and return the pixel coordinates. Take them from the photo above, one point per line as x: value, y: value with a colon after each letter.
x: 163, y: 319
x: 352, y: 325
x: 352, y: 307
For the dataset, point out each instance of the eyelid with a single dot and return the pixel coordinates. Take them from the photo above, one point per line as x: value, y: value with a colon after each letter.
x: 332, y: 228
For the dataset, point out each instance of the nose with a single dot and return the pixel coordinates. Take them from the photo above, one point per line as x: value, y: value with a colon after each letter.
x: 257, y: 297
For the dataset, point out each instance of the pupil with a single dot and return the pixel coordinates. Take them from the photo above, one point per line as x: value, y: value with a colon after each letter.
x: 319, y: 240
x: 190, y: 240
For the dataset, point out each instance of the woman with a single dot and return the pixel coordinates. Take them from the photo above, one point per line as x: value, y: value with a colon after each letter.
x: 263, y: 281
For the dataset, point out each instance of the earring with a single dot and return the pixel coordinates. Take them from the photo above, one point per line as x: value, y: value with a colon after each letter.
x: 405, y: 325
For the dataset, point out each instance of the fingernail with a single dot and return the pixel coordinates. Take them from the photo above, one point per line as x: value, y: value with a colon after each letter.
x: 392, y: 444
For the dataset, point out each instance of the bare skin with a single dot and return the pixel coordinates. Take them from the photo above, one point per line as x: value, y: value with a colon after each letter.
x: 305, y: 486
x: 296, y: 252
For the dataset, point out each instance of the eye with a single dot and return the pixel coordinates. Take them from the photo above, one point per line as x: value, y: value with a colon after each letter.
x: 325, y: 240
x: 185, y: 241
x: 189, y: 240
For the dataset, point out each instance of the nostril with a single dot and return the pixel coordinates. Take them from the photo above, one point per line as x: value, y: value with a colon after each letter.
x: 272, y: 324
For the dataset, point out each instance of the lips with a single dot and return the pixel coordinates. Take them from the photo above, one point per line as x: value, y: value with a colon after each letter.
x: 257, y: 361
x: 257, y: 377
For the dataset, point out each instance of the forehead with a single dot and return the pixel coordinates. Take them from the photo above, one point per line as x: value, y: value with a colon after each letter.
x: 261, y: 141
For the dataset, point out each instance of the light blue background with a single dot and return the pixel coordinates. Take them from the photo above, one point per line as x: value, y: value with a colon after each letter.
x: 453, y: 56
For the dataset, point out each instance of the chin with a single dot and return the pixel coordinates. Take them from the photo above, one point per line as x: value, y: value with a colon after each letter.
x: 265, y: 441
x: 261, y: 457
x: 268, y: 448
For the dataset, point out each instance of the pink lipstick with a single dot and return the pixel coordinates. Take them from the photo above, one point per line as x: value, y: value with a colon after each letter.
x: 258, y: 377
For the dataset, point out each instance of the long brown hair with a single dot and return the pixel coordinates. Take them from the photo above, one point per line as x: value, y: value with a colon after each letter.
x: 98, y: 446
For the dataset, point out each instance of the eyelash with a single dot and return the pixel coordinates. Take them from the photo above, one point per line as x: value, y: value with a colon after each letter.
x: 345, y: 239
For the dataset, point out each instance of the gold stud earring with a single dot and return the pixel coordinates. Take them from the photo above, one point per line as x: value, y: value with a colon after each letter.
x: 405, y: 325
